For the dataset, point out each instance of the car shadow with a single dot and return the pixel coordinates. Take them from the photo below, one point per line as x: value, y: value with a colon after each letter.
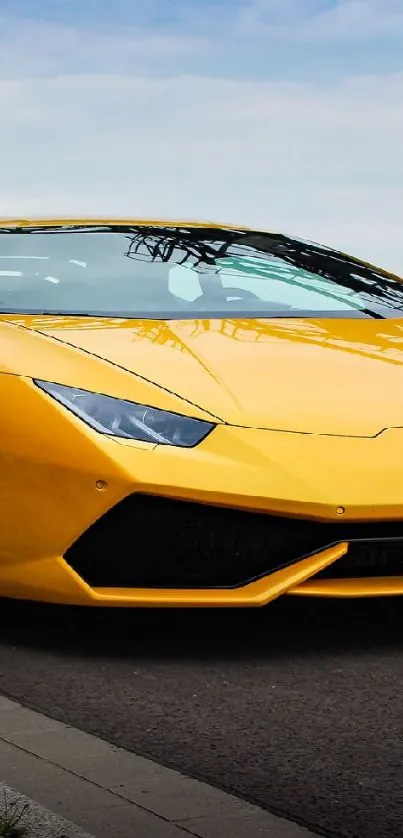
x: 288, y: 626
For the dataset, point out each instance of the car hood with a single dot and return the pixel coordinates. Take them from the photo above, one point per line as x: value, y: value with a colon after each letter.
x: 341, y: 377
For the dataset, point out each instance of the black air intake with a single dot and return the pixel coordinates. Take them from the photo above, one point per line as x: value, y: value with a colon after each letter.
x: 155, y: 542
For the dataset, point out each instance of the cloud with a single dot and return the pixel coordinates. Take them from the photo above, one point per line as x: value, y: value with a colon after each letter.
x: 321, y: 20
x: 32, y: 48
x: 322, y: 163
x: 124, y: 122
x: 209, y: 40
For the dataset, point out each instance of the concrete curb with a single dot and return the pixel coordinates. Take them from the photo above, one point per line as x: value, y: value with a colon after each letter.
x: 107, y: 791
x: 35, y: 819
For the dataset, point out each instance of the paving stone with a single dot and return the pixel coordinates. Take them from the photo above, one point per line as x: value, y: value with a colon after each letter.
x: 109, y: 791
x: 127, y: 821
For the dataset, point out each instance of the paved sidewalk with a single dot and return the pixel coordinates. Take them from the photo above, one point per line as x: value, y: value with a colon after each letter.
x: 109, y: 791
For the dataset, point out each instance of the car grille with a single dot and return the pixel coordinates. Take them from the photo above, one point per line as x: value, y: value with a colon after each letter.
x: 154, y: 542
x: 367, y: 560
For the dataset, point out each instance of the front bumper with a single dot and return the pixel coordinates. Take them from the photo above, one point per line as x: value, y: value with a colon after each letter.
x: 159, y: 543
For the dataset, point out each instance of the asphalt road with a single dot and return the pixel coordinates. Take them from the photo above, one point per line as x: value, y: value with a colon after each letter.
x: 297, y: 707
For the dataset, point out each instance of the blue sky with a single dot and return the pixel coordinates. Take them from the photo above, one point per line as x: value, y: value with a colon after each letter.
x: 261, y: 39
x: 281, y: 113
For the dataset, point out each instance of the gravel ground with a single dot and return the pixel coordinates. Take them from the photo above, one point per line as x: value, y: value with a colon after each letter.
x: 34, y: 820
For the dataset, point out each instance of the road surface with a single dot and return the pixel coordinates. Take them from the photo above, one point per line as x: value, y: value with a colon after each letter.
x: 297, y: 707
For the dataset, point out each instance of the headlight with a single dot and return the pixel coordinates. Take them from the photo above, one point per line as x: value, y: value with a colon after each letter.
x: 120, y: 418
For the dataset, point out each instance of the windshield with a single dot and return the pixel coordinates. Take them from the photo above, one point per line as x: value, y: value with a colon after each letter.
x: 178, y: 272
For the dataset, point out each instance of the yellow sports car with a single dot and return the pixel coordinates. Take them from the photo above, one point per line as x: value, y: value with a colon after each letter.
x: 196, y: 415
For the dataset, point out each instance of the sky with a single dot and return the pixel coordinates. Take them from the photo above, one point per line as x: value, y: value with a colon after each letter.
x: 280, y: 114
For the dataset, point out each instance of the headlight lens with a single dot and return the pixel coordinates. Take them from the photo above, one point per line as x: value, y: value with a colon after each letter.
x: 120, y: 418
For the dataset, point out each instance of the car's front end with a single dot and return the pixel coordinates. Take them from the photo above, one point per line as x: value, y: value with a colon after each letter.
x: 198, y: 455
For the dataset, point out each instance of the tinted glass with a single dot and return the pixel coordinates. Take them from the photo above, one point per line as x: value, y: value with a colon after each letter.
x: 185, y: 272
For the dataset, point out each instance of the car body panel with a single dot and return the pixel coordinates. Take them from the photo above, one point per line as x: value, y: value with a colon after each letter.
x: 350, y: 588
x: 221, y: 364
x: 52, y: 580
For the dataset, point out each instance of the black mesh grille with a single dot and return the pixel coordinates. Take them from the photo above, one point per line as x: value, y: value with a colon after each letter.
x: 367, y: 560
x: 156, y: 542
